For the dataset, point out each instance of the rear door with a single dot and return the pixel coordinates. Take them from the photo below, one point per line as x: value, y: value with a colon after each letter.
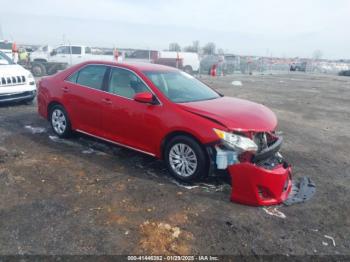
x: 84, y: 98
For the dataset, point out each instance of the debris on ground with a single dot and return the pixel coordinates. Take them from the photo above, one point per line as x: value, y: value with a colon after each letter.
x: 302, y: 190
x: 162, y: 238
x: 273, y: 211
x: 331, y: 238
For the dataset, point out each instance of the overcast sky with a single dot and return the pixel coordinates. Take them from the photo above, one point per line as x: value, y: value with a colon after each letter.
x: 247, y: 27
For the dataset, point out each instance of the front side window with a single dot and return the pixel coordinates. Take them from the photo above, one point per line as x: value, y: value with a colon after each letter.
x: 76, y: 50
x: 63, y: 50
x: 180, y: 87
x: 91, y: 76
x: 125, y: 83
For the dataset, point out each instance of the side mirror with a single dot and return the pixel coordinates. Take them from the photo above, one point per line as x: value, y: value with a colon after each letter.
x: 53, y: 52
x: 144, y: 97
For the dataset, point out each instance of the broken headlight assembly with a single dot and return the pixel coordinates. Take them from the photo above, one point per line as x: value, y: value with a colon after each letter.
x: 236, y: 142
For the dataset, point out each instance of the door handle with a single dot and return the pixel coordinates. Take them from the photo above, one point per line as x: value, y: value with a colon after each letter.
x: 107, y: 101
x: 65, y: 89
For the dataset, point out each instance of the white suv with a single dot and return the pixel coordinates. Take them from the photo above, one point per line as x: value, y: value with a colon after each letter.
x: 16, y: 83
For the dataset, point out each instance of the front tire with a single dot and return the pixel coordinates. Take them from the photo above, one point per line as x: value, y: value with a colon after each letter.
x: 185, y: 159
x: 60, y: 122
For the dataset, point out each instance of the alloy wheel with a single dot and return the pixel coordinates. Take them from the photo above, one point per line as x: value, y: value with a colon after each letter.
x: 183, y: 160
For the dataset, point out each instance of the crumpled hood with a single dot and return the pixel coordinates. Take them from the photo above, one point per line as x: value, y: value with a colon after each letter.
x: 236, y: 114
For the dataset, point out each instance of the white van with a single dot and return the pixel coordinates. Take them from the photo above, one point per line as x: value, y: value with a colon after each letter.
x: 16, y: 83
x: 190, y: 61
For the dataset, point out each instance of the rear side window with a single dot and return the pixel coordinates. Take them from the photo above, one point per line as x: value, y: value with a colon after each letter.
x: 91, y: 76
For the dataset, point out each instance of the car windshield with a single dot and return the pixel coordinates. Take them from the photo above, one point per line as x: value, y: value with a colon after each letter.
x: 5, y: 60
x: 180, y: 87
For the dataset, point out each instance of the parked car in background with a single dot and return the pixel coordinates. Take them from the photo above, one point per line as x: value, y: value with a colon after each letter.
x: 208, y: 61
x: 41, y: 54
x: 225, y: 64
x: 141, y: 55
x: 6, y: 47
x: 300, y: 66
x: 189, y: 61
x: 16, y: 83
x: 344, y: 73
x: 49, y: 60
x: 164, y: 112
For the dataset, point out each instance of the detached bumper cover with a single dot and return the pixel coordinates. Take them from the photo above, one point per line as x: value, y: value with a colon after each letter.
x: 257, y: 186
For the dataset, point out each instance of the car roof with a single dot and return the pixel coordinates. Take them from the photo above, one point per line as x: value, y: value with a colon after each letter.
x: 136, y: 66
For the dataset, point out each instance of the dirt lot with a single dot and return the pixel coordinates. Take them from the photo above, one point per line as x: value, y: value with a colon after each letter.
x: 82, y: 196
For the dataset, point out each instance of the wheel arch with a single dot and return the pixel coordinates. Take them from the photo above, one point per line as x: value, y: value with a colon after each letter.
x: 50, y: 106
x: 175, y: 133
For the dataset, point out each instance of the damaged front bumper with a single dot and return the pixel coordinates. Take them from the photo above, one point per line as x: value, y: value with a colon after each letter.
x: 255, y: 185
x: 265, y: 179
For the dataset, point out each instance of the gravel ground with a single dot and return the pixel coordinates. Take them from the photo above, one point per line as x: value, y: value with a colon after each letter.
x: 83, y: 196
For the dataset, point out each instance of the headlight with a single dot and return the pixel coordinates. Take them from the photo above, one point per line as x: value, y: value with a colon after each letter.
x: 236, y: 142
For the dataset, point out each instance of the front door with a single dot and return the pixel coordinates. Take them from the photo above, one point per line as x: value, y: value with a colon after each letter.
x: 126, y: 121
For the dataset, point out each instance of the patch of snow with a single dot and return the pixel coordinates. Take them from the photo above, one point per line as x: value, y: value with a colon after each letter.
x: 331, y: 238
x: 88, y: 151
x: 63, y: 141
x: 236, y: 83
x: 35, y: 130
x: 182, y: 185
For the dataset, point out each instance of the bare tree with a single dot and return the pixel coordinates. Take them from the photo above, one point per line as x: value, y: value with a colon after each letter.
x: 174, y: 47
x: 209, y: 49
x: 194, y: 48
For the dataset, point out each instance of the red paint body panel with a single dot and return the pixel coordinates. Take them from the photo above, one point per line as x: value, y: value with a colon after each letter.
x: 235, y: 114
x: 248, y: 179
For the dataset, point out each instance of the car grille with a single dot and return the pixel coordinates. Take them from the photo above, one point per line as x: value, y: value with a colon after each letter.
x: 12, y: 80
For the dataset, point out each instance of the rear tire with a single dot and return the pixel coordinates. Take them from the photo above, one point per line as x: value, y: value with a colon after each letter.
x: 185, y: 159
x: 60, y: 122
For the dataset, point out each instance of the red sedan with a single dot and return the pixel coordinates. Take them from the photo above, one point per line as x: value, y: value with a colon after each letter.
x: 166, y: 113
